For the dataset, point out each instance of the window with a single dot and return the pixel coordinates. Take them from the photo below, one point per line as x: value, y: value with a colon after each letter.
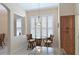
x: 18, y: 27
x: 33, y: 26
x: 50, y: 25
x: 45, y: 27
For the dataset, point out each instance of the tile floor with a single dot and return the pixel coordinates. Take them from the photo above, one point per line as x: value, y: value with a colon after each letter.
x: 21, y: 52
x: 4, y: 50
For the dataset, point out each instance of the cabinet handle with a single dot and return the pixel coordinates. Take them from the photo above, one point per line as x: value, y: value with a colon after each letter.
x: 67, y: 28
x: 67, y: 31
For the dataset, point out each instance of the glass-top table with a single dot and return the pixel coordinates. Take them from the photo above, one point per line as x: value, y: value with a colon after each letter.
x: 38, y: 50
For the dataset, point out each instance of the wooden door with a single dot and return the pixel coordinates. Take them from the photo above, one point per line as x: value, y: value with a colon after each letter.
x: 67, y: 32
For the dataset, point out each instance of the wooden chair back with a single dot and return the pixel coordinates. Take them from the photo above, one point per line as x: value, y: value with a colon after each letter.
x: 2, y: 37
x: 38, y: 42
x: 29, y: 36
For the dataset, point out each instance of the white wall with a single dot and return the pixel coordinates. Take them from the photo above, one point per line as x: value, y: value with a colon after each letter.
x: 76, y: 8
x: 76, y: 34
x: 66, y: 9
x: 14, y: 9
x: 77, y: 27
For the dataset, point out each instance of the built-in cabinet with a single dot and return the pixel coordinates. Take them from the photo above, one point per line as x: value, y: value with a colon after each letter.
x: 67, y: 33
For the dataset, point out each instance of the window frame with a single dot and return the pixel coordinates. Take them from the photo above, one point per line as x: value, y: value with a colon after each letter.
x: 41, y: 26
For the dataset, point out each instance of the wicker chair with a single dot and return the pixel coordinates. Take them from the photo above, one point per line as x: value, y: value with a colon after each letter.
x: 49, y: 41
x: 2, y: 36
x: 31, y: 44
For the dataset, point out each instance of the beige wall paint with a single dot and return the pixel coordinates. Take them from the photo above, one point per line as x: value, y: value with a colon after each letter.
x: 43, y: 11
x: 3, y: 22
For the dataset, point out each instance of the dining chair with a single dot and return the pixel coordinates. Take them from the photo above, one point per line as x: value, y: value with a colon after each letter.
x: 31, y: 41
x: 2, y: 37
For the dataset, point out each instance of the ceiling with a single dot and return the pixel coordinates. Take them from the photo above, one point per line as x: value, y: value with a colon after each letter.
x: 2, y: 9
x: 35, y: 6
